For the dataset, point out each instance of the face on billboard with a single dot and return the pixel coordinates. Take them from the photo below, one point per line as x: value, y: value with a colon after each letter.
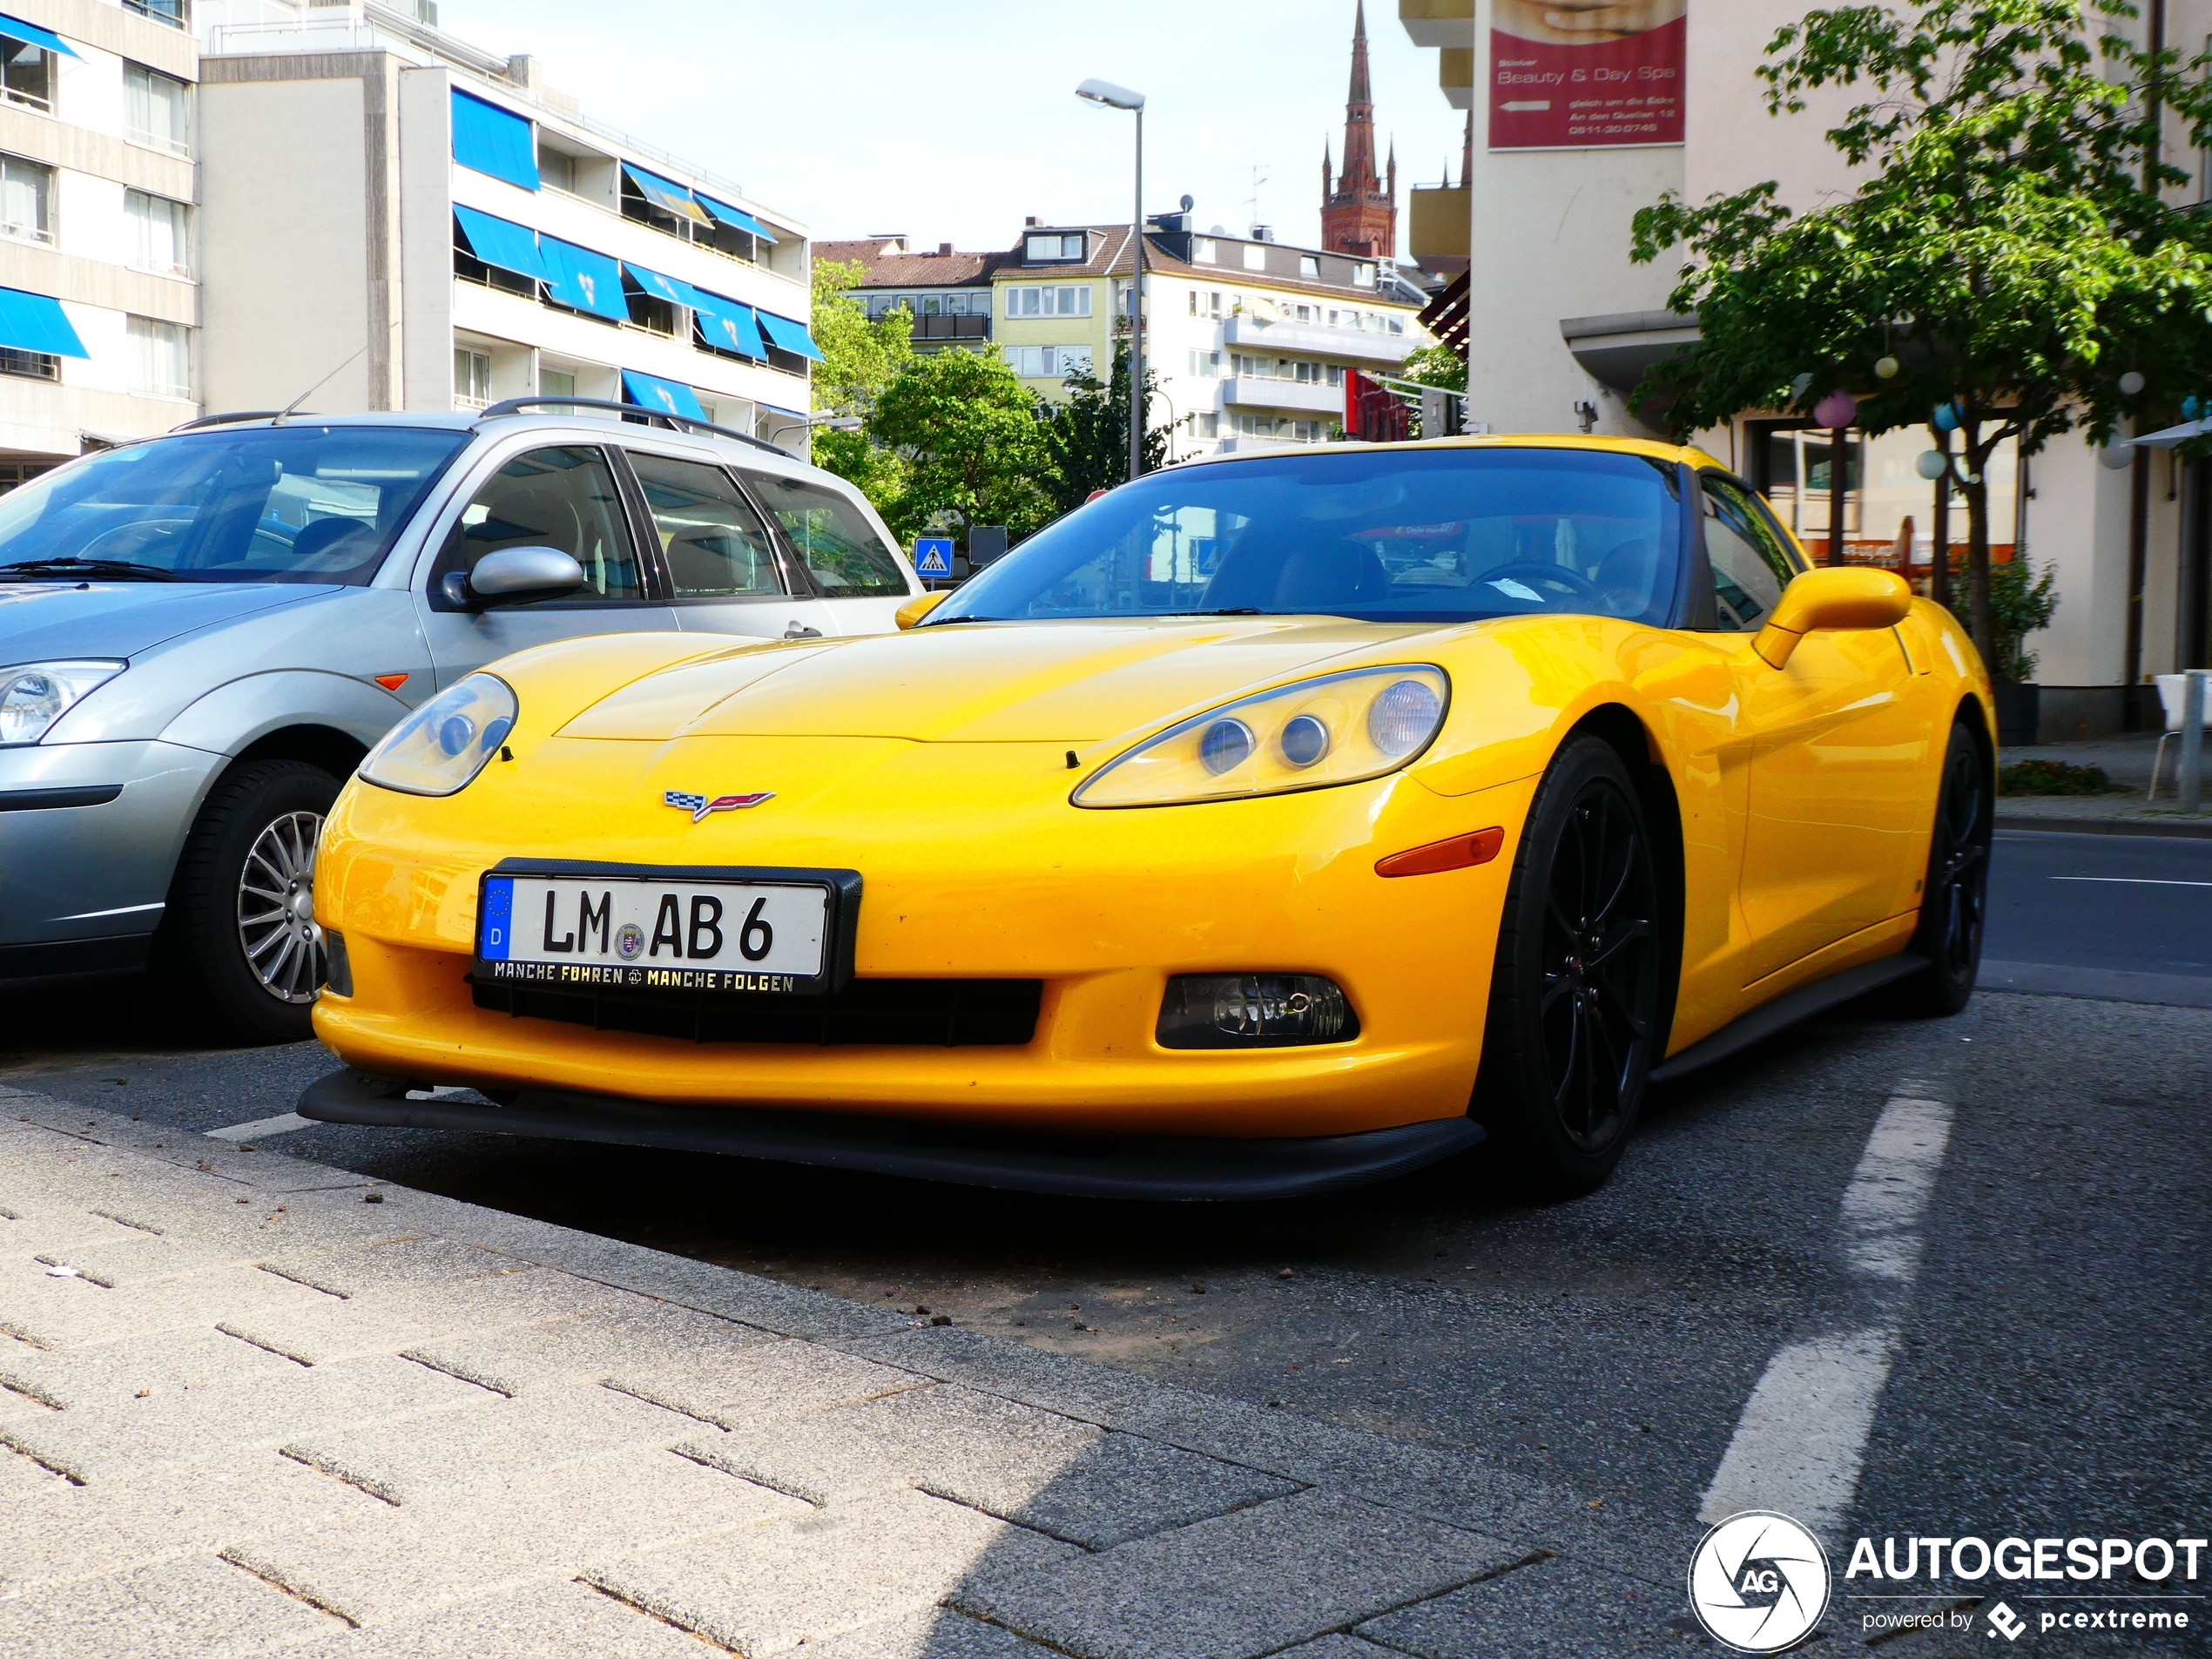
x: 1585, y: 74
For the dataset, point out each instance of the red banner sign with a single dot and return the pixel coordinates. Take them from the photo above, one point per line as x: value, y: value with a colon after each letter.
x: 1586, y: 74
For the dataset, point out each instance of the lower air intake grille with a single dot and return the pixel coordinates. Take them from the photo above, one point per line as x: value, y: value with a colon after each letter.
x: 918, y: 1012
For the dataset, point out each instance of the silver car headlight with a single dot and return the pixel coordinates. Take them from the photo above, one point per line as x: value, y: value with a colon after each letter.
x: 1338, y: 729
x: 439, y: 747
x: 34, y: 695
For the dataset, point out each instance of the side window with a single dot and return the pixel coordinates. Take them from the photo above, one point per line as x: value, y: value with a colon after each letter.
x: 847, y: 559
x: 714, y: 545
x: 1749, y: 568
x: 562, y: 498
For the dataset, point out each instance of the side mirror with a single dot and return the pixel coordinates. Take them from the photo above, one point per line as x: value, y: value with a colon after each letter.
x: 513, y: 575
x: 1831, y: 598
x: 920, y: 606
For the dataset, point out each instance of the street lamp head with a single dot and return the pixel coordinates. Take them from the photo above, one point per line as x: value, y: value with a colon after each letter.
x: 1113, y: 97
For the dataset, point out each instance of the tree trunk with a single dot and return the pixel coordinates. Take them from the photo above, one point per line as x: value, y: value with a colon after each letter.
x: 1976, y: 490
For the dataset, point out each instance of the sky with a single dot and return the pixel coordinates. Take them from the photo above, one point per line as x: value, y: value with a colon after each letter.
x: 952, y: 123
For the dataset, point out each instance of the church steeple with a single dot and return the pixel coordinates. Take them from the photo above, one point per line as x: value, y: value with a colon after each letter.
x: 1359, y: 215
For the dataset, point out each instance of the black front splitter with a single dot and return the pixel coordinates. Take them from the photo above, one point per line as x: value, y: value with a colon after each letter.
x: 1169, y: 1167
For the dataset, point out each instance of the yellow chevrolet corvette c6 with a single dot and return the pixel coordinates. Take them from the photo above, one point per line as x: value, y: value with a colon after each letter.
x: 1271, y: 823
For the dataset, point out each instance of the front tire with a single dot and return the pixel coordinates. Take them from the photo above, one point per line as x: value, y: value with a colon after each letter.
x: 1575, y: 996
x: 240, y: 936
x: 1954, y: 897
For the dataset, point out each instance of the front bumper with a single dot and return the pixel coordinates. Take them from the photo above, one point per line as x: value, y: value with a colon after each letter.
x: 88, y: 838
x: 1170, y: 1167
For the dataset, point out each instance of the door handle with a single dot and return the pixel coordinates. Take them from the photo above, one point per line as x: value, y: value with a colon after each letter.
x: 800, y: 630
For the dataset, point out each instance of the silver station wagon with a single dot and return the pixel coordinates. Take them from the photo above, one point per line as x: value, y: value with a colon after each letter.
x: 201, y: 635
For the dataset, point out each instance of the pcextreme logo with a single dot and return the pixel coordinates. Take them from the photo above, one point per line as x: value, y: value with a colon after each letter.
x: 1758, y: 1581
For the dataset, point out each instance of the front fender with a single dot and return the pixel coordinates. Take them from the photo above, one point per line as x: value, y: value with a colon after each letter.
x: 241, y: 712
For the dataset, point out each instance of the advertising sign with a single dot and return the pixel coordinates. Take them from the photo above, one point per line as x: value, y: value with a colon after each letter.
x: 1585, y: 74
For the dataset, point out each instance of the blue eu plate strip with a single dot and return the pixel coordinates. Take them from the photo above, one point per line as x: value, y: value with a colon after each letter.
x: 494, y: 927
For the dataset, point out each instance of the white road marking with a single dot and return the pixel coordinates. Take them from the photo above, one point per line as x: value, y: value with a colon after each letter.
x: 1801, y: 1441
x: 262, y: 1128
x: 2132, y: 880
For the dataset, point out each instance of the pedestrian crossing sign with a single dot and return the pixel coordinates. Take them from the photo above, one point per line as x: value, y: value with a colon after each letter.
x: 933, y: 557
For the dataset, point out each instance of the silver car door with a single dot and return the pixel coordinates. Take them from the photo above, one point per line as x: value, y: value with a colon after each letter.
x: 558, y: 495
x: 844, y: 556
x: 723, y: 572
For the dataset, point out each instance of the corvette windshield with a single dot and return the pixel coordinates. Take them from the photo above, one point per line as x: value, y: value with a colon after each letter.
x: 294, y: 503
x: 1380, y: 534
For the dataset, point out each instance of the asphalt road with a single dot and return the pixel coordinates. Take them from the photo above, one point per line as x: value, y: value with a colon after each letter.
x: 2052, y: 1359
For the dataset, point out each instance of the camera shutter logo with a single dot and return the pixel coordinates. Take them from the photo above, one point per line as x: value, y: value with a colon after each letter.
x: 1759, y: 1582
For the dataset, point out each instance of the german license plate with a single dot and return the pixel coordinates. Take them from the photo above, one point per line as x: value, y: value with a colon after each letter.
x: 646, y: 931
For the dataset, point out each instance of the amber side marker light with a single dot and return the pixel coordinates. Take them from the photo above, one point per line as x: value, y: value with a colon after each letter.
x: 1461, y: 852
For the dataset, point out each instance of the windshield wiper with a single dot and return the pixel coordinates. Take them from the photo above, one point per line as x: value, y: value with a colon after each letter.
x: 113, y: 570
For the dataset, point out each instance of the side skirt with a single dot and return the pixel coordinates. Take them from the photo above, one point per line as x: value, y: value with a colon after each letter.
x: 1175, y: 1168
x: 1784, y: 1012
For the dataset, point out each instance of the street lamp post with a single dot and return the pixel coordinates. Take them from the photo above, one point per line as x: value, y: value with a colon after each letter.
x: 1120, y: 98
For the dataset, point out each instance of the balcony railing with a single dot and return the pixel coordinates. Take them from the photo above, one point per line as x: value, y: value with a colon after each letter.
x: 175, y: 13
x: 952, y: 329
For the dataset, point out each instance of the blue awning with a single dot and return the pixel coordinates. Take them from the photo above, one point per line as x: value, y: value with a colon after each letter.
x: 735, y: 217
x: 487, y: 138
x: 728, y: 325
x: 32, y: 34
x: 37, y: 322
x: 668, y: 288
x: 576, y: 276
x: 665, y: 193
x: 650, y: 392
x: 501, y: 242
x: 789, y: 335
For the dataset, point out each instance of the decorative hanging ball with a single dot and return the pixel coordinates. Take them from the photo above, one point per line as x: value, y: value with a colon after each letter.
x: 1931, y: 464
x: 1945, y: 417
x: 1886, y: 368
x: 2131, y: 383
x: 1836, y: 410
x: 2117, y: 455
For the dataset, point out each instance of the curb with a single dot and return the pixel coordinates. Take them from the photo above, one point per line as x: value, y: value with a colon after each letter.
x: 2188, y: 829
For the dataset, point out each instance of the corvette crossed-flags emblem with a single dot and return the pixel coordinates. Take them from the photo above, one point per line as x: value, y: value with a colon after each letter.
x: 699, y: 806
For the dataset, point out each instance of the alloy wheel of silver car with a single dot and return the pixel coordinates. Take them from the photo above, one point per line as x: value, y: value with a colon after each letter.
x: 276, y: 915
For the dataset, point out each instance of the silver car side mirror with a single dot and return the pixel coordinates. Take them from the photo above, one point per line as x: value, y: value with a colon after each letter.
x: 513, y: 575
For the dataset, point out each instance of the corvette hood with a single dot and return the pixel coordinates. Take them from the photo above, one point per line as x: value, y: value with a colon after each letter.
x: 48, y: 620
x: 1066, y: 682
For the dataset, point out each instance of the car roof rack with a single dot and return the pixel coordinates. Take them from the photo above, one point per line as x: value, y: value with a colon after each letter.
x: 683, y: 424
x: 227, y: 418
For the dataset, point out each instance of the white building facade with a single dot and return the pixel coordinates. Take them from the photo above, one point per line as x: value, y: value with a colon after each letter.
x: 1563, y: 325
x: 99, y: 305
x: 395, y: 220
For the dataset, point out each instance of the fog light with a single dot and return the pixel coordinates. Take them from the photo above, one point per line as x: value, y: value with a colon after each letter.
x: 1254, y: 1011
x: 338, y: 971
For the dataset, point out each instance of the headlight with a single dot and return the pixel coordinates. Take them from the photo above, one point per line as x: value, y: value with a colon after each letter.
x: 437, y: 749
x: 1335, y: 730
x: 34, y: 695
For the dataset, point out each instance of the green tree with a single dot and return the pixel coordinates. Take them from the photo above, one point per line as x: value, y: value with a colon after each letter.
x: 2006, y: 260
x: 1437, y: 365
x: 969, y: 437
x: 1088, y: 435
x: 861, y: 356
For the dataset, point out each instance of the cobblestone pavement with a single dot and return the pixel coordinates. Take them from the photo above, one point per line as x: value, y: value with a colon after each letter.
x: 258, y: 1405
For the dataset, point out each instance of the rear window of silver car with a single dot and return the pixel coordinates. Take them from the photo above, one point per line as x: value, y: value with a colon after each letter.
x: 848, y: 560
x: 294, y: 503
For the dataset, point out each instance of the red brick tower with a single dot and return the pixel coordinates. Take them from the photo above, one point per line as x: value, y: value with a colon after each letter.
x: 1359, y: 215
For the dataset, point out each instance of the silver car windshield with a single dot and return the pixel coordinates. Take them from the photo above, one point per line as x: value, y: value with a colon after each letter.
x: 1380, y: 534
x: 294, y: 503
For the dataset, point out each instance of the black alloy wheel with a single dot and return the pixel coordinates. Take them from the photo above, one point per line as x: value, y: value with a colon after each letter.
x: 1573, y: 1026
x: 239, y: 937
x: 1954, y: 899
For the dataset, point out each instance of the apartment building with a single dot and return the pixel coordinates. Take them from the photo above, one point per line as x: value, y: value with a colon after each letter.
x: 947, y: 293
x: 1248, y: 337
x: 443, y: 229
x: 1540, y: 223
x: 99, y: 306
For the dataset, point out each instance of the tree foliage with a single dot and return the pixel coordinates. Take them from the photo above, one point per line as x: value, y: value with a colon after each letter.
x: 1088, y: 436
x: 2006, y: 259
x: 968, y: 435
x: 1436, y: 364
x: 861, y: 356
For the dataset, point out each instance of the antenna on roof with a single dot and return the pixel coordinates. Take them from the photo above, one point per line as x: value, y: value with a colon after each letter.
x: 285, y: 413
x: 1252, y: 201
